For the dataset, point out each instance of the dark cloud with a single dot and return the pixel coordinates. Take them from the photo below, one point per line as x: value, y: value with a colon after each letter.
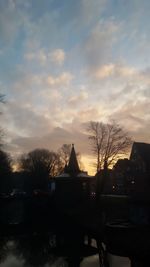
x: 135, y: 118
x: 25, y: 120
x: 52, y: 141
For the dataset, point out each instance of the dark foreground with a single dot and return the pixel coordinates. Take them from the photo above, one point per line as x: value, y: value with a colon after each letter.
x: 36, y: 231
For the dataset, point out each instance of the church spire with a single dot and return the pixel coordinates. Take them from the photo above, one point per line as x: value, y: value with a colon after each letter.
x: 73, y: 166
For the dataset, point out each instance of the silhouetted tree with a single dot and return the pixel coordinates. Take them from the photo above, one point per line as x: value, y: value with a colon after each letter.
x: 108, y: 142
x: 5, y: 171
x: 41, y: 164
x: 64, y: 153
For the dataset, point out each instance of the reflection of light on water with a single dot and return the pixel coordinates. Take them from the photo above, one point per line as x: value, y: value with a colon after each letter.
x: 116, y: 261
x: 52, y: 241
x: 13, y: 261
x: 60, y: 262
x: 10, y: 244
x: 90, y: 261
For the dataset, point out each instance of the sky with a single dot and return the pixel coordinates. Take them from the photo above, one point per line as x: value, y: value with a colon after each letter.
x: 64, y: 63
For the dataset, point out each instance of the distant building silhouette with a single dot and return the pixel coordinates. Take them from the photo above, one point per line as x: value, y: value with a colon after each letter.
x: 140, y: 182
x: 140, y: 172
x: 104, y: 181
x: 72, y: 186
x: 122, y: 176
x: 140, y: 155
x: 132, y: 176
x: 73, y: 167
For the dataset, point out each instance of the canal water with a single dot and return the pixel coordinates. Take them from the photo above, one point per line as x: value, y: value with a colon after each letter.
x: 39, y: 251
x: 37, y: 244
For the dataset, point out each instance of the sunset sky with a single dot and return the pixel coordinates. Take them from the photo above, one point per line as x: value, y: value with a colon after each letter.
x: 66, y: 62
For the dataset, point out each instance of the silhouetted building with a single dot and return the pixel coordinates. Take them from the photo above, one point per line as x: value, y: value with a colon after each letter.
x: 140, y: 182
x: 122, y: 178
x: 19, y: 180
x: 140, y: 168
x: 132, y: 176
x: 140, y: 156
x: 104, y: 181
x: 72, y: 186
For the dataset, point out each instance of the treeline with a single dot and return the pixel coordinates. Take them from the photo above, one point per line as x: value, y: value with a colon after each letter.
x: 108, y: 142
x: 34, y: 169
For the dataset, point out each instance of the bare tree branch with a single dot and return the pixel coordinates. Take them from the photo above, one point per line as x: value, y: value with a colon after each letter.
x: 108, y: 142
x: 41, y: 164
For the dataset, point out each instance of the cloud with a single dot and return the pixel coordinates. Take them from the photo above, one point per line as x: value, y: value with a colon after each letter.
x: 118, y: 83
x: 109, y: 70
x: 40, y: 102
x: 57, y: 56
x: 39, y: 56
x: 63, y: 79
x: 104, y: 71
x: 24, y: 120
x: 92, y: 9
x: 52, y: 141
x: 43, y: 31
x: 38, y: 91
x: 134, y: 116
x: 97, y: 49
x: 11, y: 21
x: 87, y: 114
x: 76, y: 100
x: 69, y: 63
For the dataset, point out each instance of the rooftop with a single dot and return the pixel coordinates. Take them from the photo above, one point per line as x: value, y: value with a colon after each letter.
x: 72, y: 169
x: 143, y: 150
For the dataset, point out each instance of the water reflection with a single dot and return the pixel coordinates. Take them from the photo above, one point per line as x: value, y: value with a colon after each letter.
x: 92, y: 261
x: 50, y: 250
x: 34, y: 233
x: 30, y: 250
x: 44, y: 249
